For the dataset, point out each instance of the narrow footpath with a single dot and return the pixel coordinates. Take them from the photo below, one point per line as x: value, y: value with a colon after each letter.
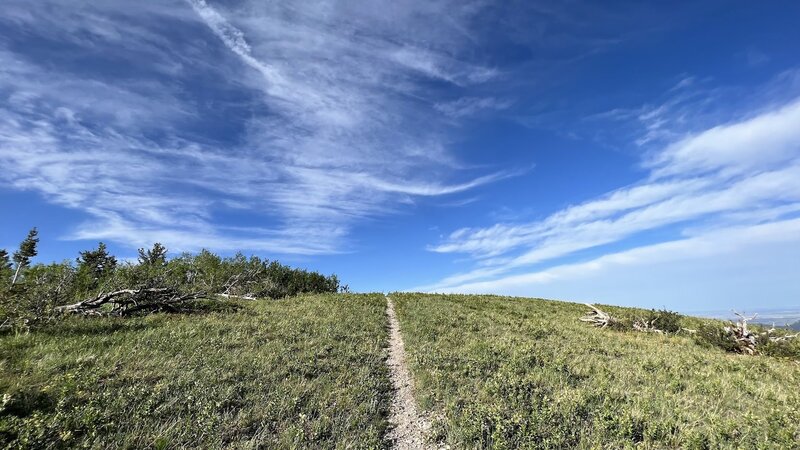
x: 409, y: 425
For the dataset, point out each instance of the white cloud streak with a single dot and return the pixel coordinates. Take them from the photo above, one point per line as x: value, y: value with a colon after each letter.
x: 719, y: 176
x: 761, y: 142
x: 470, y: 106
x: 700, y: 265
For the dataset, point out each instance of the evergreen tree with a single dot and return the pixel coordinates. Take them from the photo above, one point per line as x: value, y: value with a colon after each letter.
x: 5, y: 266
x: 96, y: 264
x: 5, y: 260
x: 27, y: 250
x: 157, y: 256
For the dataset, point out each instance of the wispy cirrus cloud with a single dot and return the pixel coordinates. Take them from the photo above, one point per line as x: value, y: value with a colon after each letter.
x: 469, y: 106
x: 179, y: 113
x: 744, y: 172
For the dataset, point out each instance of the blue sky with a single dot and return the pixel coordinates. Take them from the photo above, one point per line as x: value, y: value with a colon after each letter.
x: 609, y: 151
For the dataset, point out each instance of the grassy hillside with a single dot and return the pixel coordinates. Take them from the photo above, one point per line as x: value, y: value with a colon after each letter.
x: 522, y: 373
x: 306, y: 372
x: 310, y: 372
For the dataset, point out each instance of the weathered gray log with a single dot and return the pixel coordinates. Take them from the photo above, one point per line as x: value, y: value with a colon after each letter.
x: 597, y: 317
x: 242, y: 297
x: 786, y: 337
x: 646, y: 326
x: 129, y: 301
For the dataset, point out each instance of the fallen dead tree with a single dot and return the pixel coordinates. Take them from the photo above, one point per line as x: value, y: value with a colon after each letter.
x: 743, y: 339
x: 783, y: 338
x: 238, y: 285
x: 240, y: 297
x: 131, y: 301
x: 737, y: 337
x: 598, y: 317
x: 747, y: 341
x: 647, y: 326
x: 660, y: 322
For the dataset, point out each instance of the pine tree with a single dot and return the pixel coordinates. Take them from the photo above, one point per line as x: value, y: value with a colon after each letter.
x: 5, y: 260
x: 157, y: 256
x: 97, y: 263
x: 27, y: 250
x: 5, y: 266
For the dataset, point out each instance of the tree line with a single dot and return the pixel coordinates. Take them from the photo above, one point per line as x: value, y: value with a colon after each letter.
x: 32, y: 293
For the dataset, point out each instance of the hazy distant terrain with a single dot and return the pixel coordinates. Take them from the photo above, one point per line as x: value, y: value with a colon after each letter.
x: 780, y: 317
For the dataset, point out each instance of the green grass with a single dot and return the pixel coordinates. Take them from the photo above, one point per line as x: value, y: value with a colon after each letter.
x: 523, y: 373
x: 305, y: 372
x: 309, y: 372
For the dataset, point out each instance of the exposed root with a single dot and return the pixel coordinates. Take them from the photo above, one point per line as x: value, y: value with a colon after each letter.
x: 598, y: 317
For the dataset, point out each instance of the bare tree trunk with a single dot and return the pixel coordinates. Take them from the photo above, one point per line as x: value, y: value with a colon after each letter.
x: 16, y: 273
x: 128, y: 301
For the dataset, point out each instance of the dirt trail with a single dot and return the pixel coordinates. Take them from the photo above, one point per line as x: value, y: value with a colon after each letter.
x: 409, y: 425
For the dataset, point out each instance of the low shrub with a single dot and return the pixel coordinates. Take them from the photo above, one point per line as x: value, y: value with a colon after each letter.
x: 665, y: 320
x: 782, y: 349
x: 712, y: 335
